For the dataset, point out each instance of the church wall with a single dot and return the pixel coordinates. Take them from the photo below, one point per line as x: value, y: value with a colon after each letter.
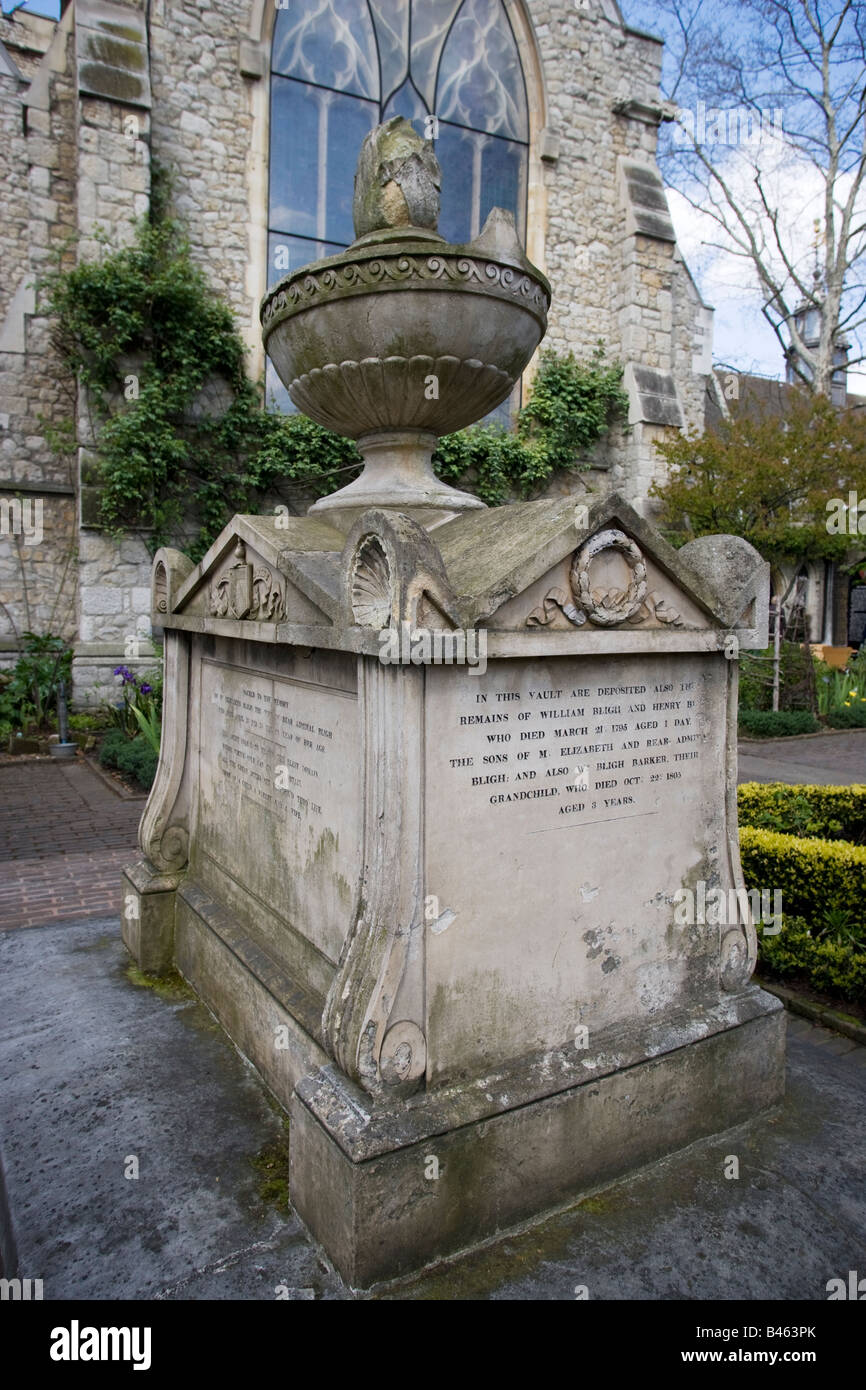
x: 37, y: 168
x: 617, y: 277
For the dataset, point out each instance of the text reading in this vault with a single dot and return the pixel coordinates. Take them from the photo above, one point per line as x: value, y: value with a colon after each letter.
x: 591, y: 752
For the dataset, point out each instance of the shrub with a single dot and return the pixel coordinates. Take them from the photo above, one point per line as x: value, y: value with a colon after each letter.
x: 130, y: 755
x: 111, y: 744
x: 777, y: 723
x: 28, y: 693
x: 90, y: 720
x: 796, y: 678
x: 817, y: 877
x: 830, y: 966
x: 831, y: 813
x: 848, y: 717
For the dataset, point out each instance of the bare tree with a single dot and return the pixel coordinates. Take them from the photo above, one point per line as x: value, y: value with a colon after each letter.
x: 767, y: 100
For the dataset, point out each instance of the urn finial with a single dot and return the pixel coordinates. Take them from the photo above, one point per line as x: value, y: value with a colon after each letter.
x: 397, y: 182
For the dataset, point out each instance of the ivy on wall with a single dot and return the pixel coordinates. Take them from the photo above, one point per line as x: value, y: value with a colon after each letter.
x: 180, y: 427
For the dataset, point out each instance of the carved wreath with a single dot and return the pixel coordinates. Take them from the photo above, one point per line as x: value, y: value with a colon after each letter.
x: 609, y: 607
x: 613, y: 605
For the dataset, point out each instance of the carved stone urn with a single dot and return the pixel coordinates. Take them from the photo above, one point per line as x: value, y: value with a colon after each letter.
x: 405, y: 337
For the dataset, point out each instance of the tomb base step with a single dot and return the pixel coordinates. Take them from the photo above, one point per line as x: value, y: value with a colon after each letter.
x: 274, y: 1023
x: 388, y: 1192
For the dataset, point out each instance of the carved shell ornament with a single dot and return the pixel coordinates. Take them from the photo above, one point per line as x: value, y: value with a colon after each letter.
x: 605, y: 607
x: 160, y: 588
x: 371, y: 585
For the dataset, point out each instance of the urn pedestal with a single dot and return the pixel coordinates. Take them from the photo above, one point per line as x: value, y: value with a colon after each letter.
x: 431, y: 818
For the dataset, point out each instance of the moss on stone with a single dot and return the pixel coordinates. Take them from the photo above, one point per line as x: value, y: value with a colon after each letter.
x: 171, y: 987
x: 271, y: 1164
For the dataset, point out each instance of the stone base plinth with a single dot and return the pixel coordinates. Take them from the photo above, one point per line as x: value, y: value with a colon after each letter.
x: 147, y: 916
x: 388, y: 1190
x: 274, y: 1023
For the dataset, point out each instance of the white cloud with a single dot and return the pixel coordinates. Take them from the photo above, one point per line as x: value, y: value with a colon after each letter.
x: 728, y: 282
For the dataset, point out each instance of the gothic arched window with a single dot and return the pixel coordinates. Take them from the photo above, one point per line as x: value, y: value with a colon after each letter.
x: 339, y: 67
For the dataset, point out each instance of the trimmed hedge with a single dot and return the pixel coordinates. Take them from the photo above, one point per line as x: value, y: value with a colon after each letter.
x: 829, y: 813
x: 783, y: 723
x: 828, y: 966
x: 842, y: 718
x: 817, y: 877
x: 134, y: 756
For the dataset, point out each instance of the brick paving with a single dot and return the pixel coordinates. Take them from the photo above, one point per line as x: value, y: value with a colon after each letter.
x: 64, y: 838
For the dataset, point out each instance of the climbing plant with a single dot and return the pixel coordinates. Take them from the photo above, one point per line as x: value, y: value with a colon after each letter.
x: 180, y: 427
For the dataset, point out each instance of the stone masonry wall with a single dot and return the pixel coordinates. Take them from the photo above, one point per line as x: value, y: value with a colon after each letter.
x: 37, y: 492
x: 84, y: 163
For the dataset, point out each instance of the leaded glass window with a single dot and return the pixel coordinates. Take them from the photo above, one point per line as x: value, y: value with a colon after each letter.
x: 339, y: 67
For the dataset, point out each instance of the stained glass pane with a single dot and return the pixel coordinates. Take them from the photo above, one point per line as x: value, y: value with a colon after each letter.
x: 431, y: 20
x: 407, y: 103
x: 349, y: 122
x: 294, y: 180
x: 502, y: 166
x: 288, y: 253
x: 391, y: 18
x: 455, y: 150
x: 480, y: 80
x: 329, y: 42
x: 484, y: 172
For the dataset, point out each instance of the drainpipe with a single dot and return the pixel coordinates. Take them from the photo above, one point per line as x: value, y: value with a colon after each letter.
x: 829, y: 587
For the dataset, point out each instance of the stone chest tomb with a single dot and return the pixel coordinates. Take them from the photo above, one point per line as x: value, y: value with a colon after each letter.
x: 434, y: 778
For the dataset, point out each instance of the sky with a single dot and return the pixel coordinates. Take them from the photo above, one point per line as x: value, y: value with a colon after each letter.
x: 50, y: 8
x: 742, y: 336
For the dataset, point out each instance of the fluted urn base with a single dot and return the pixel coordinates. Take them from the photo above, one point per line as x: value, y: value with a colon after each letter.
x: 398, y: 474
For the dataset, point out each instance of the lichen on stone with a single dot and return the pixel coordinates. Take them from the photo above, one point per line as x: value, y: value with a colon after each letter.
x: 398, y: 180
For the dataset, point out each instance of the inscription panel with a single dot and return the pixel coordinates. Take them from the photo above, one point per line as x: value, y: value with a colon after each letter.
x: 280, y: 796
x: 567, y: 801
x: 589, y: 752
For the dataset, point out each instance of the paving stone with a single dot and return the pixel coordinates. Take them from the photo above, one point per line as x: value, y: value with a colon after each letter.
x: 823, y: 760
x: 94, y: 1069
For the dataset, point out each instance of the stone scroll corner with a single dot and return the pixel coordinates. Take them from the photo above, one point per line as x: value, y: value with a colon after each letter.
x: 163, y: 834
x: 171, y: 569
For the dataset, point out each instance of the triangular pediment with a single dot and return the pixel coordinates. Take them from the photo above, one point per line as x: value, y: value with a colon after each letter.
x: 561, y: 565
x: 272, y: 569
x: 567, y: 563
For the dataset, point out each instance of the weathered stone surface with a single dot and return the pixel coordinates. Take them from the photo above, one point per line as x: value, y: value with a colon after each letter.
x: 147, y: 917
x: 466, y: 886
x: 397, y: 1203
x: 398, y: 180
